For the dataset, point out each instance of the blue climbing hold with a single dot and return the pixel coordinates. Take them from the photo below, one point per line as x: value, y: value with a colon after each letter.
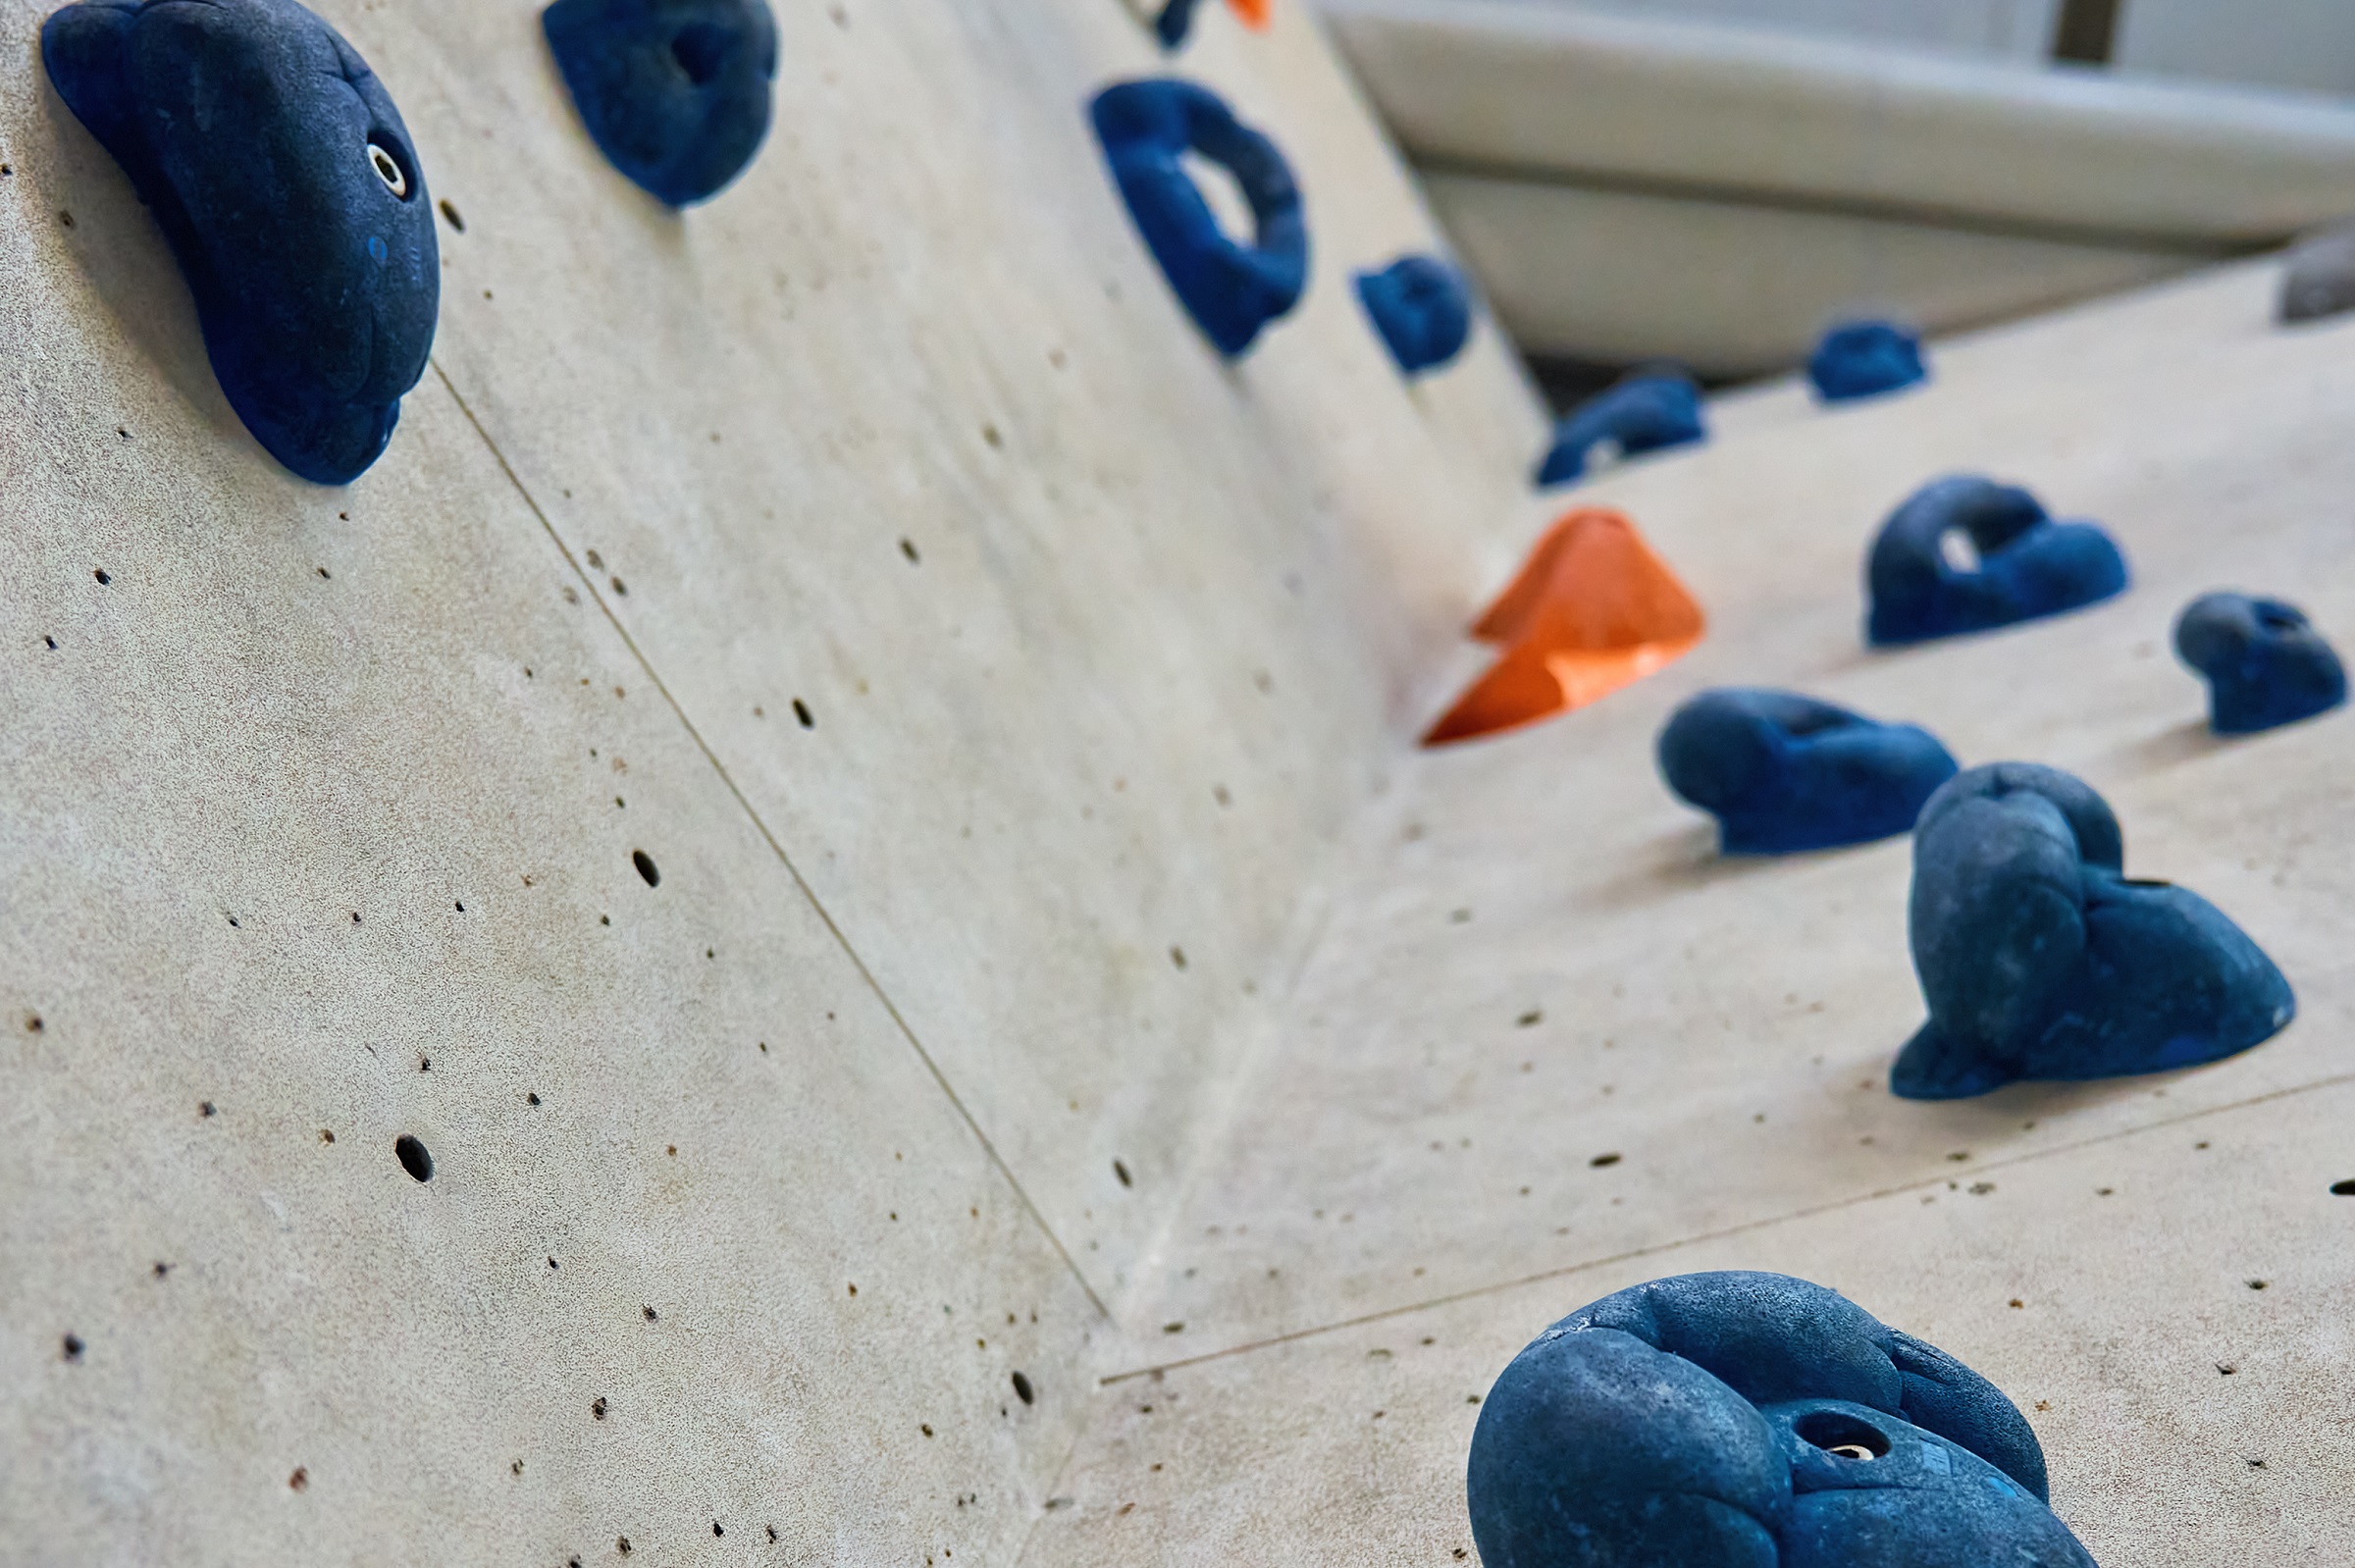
x: 1753, y: 1421
x: 1421, y: 308
x: 1865, y: 359
x: 1642, y: 414
x: 2026, y: 564
x: 287, y: 188
x: 1176, y: 20
x: 1783, y: 773
x: 2039, y: 959
x: 2265, y: 664
x: 675, y: 93
x: 1231, y: 288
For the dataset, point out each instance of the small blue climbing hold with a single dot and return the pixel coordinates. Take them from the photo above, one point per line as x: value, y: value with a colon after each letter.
x: 1865, y: 359
x: 2039, y: 959
x: 2027, y: 565
x: 1421, y: 308
x: 1747, y: 1420
x: 287, y: 188
x: 1784, y: 773
x: 1175, y: 21
x: 2265, y: 664
x: 675, y: 93
x: 1642, y: 414
x: 1231, y: 288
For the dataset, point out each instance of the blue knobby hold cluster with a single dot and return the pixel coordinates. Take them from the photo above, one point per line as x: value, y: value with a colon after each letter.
x: 1784, y: 773
x: 1646, y: 413
x: 287, y: 188
x: 2040, y: 958
x: 1865, y: 359
x: 675, y: 93
x: 1231, y: 288
x: 1421, y: 309
x: 2027, y: 565
x: 2265, y: 664
x: 1753, y: 1421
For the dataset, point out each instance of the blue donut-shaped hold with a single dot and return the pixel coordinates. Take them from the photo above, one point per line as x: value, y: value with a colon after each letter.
x: 2039, y: 959
x: 2027, y: 564
x: 675, y: 93
x: 1421, y: 309
x: 1232, y: 289
x: 1784, y: 773
x: 2265, y: 664
x: 288, y: 190
x: 1865, y: 359
x: 1642, y: 414
x: 1752, y: 1421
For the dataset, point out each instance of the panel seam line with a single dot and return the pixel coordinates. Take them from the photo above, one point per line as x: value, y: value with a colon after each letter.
x: 825, y: 917
x: 1699, y: 1239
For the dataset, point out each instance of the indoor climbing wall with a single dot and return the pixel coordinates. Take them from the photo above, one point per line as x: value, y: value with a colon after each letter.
x: 1552, y: 1044
x: 640, y: 981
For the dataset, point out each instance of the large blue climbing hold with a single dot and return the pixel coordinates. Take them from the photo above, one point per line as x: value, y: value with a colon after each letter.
x: 1784, y: 773
x: 1753, y: 1421
x: 1642, y: 414
x: 287, y: 188
x: 1865, y: 359
x: 1422, y: 310
x: 2265, y: 664
x: 1229, y: 287
x: 2027, y: 565
x: 2039, y: 959
x: 675, y: 93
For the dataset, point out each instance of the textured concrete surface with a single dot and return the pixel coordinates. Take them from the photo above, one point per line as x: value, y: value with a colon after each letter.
x: 1551, y: 1044
x: 754, y: 1187
x: 1094, y: 985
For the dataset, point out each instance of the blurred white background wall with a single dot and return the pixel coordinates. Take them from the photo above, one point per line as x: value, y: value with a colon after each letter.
x: 2021, y: 29
x: 2289, y: 43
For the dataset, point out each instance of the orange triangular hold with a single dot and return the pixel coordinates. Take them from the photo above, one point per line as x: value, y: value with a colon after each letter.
x: 1256, y: 14
x: 1593, y: 610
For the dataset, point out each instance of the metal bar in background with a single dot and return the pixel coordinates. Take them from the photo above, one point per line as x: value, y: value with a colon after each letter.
x: 2087, y: 31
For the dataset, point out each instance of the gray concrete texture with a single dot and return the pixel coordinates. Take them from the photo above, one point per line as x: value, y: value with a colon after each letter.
x: 754, y: 1188
x: 1097, y: 987
x: 1551, y: 1045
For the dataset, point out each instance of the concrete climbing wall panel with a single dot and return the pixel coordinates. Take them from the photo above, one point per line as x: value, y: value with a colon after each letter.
x: 760, y: 1167
x: 1051, y: 647
x: 1552, y: 1043
x: 323, y: 831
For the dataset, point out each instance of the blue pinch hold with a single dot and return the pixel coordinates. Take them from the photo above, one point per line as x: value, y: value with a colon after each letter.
x: 2040, y: 958
x: 2027, y: 566
x: 1784, y: 773
x: 1746, y: 1420
x: 286, y: 187
x: 1865, y: 359
x: 2265, y: 664
x: 675, y: 93
x: 1231, y: 288
x: 1642, y: 414
x: 1421, y: 308
x: 1175, y: 21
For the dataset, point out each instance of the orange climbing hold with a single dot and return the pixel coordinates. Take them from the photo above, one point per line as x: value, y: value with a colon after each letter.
x: 1256, y: 14
x: 1593, y: 610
